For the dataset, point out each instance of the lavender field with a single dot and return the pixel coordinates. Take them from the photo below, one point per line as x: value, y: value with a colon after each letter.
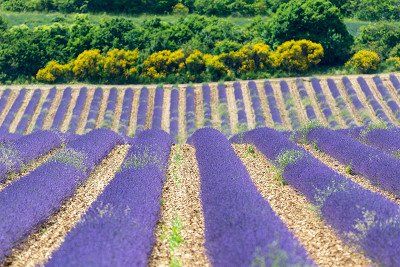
x: 294, y: 172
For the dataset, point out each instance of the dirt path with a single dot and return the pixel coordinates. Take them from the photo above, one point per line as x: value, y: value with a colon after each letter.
x: 182, y: 213
x: 319, y: 240
x: 38, y: 247
x: 216, y: 120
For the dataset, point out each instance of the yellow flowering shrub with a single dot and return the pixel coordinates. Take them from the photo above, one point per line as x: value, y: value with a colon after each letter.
x: 54, y: 72
x: 120, y: 65
x: 88, y: 65
x: 298, y: 55
x: 215, y: 67
x: 251, y: 57
x: 160, y: 64
x: 364, y: 61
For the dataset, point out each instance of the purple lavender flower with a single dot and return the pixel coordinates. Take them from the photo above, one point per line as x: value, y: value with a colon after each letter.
x: 340, y: 103
x: 4, y: 99
x: 223, y: 109
x: 242, y: 117
x: 126, y: 111
x: 273, y: 107
x: 110, y: 109
x: 394, y: 107
x: 305, y: 99
x: 142, y: 110
x: 76, y: 113
x: 326, y: 110
x: 240, y: 226
x: 174, y: 113
x: 62, y: 109
x: 395, y: 82
x: 29, y: 111
x: 190, y: 111
x: 207, y: 105
x: 256, y: 103
x: 45, y: 109
x: 94, y: 110
x: 13, y: 110
x: 289, y: 104
x: 158, y: 108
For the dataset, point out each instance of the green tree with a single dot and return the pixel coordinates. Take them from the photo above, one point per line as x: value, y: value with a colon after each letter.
x: 315, y: 20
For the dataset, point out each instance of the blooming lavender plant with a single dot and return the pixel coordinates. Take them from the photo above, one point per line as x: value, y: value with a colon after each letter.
x: 142, y: 110
x: 240, y: 226
x: 4, y: 99
x: 289, y: 104
x: 76, y: 113
x: 110, y: 109
x: 395, y: 82
x: 118, y: 229
x: 323, y: 104
x: 305, y: 99
x: 361, y: 217
x: 190, y: 111
x: 62, y: 109
x: 31, y: 200
x: 94, y: 110
x: 207, y: 105
x: 355, y: 100
x: 126, y: 111
x: 45, y: 109
x: 223, y: 109
x: 158, y: 108
x: 394, y: 107
x: 340, y: 103
x: 174, y: 113
x: 242, y: 117
x: 256, y: 103
x: 13, y: 110
x: 29, y: 111
x: 273, y: 107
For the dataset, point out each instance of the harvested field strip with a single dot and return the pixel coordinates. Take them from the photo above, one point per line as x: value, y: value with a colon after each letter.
x: 38, y: 247
x: 180, y: 231
x: 320, y: 240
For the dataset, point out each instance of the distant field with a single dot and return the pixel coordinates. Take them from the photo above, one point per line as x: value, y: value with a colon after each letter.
x: 37, y: 18
x: 232, y: 107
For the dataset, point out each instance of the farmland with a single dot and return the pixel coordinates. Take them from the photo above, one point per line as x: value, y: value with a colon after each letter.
x: 310, y: 173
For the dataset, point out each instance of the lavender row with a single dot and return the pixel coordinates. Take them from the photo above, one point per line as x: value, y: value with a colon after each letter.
x: 289, y: 105
x: 223, y: 109
x: 326, y: 110
x: 94, y: 110
x: 305, y: 99
x: 207, y: 105
x: 190, y: 111
x: 355, y: 100
x: 394, y: 107
x: 13, y: 111
x: 45, y: 109
x: 240, y: 225
x: 371, y: 100
x: 380, y: 168
x: 62, y: 109
x: 395, y: 82
x: 273, y: 107
x: 361, y: 217
x: 109, y: 237
x: 158, y: 108
x: 174, y: 113
x: 340, y: 103
x: 126, y: 112
x: 110, y: 109
x: 77, y: 111
x: 256, y: 103
x: 241, y: 111
x: 31, y: 200
x: 142, y: 110
x: 15, y: 154
x: 29, y: 111
x: 4, y: 99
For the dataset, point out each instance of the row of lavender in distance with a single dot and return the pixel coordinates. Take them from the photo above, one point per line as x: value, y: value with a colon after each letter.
x: 31, y: 200
x: 395, y: 82
x: 289, y: 104
x: 110, y: 109
x: 355, y: 100
x: 142, y: 110
x: 305, y: 99
x: 158, y: 108
x: 380, y: 168
x: 207, y: 105
x: 273, y: 107
x: 94, y: 110
x: 223, y: 109
x: 4, y: 99
x: 340, y: 103
x: 240, y: 226
x: 77, y: 111
x: 29, y: 111
x: 126, y: 112
x: 62, y: 109
x: 361, y: 217
x: 15, y: 154
x: 241, y: 112
x: 256, y: 104
x: 394, y: 107
x: 13, y: 111
x: 122, y: 234
x: 323, y: 104
x: 190, y: 111
x: 45, y: 109
x: 174, y: 113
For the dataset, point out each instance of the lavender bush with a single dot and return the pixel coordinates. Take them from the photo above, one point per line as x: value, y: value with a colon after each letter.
x: 4, y: 99
x: 126, y: 111
x: 355, y: 100
x: 273, y: 107
x: 31, y: 200
x: 323, y: 104
x: 305, y: 99
x: 394, y: 107
x: 29, y: 111
x: 142, y: 110
x: 174, y: 113
x: 158, y: 108
x: 190, y: 111
x: 223, y: 109
x: 62, y: 109
x: 45, y: 109
x: 207, y: 105
x: 241, y: 111
x: 110, y: 109
x: 118, y: 229
x: 361, y: 217
x: 256, y: 103
x: 340, y: 103
x: 94, y: 110
x: 240, y: 227
x: 289, y: 104
x: 395, y: 82
x: 13, y: 110
x: 76, y: 113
